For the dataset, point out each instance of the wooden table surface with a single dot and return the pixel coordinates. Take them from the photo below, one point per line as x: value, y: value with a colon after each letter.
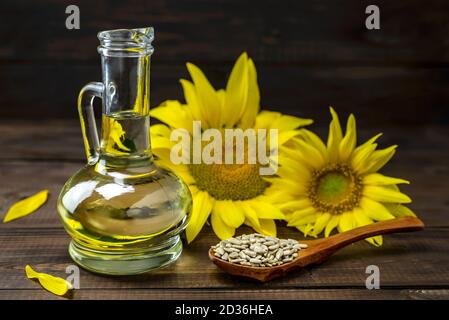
x: 43, y: 154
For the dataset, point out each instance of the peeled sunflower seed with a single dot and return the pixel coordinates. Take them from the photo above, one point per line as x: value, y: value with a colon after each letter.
x: 257, y: 250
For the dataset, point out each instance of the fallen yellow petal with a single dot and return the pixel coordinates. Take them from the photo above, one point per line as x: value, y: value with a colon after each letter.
x: 26, y: 206
x: 51, y: 283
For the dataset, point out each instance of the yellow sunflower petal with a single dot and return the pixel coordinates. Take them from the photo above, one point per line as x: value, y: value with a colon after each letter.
x: 250, y: 214
x: 349, y: 141
x: 267, y: 227
x: 192, y: 100
x: 380, y: 180
x: 275, y: 195
x: 320, y: 223
x: 383, y: 194
x: 221, y: 93
x: 287, y: 123
x: 201, y: 208
x: 307, y: 230
x: 334, y: 137
x: 379, y: 158
x: 331, y: 225
x: 221, y: 229
x: 399, y: 210
x: 363, y: 220
x: 293, y: 168
x: 266, y: 210
x: 207, y: 96
x: 375, y: 210
x: 230, y: 213
x: 303, y: 212
x: 161, y: 154
x: 375, y: 241
x: 285, y: 136
x: 315, y: 141
x: 185, y: 176
x: 287, y: 184
x: 296, y: 204
x: 26, y: 206
x: 193, y: 189
x: 163, y: 159
x: 310, y: 155
x: 301, y: 228
x: 362, y: 152
x: 55, y: 285
x: 301, y: 217
x: 248, y: 118
x: 347, y: 222
x: 161, y: 130
x: 265, y: 118
x: 173, y: 114
x: 236, y: 91
x: 360, y: 157
x: 161, y: 143
x: 369, y: 141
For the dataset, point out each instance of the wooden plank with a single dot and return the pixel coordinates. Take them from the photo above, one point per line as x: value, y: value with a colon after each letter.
x: 378, y: 96
x: 237, y: 294
x: 291, y: 32
x: 40, y: 140
x: 413, y: 261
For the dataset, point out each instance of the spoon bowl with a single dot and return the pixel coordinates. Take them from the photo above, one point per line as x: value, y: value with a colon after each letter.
x: 319, y: 250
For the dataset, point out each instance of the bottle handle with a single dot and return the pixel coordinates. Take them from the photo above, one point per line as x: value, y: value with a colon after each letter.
x: 87, y: 118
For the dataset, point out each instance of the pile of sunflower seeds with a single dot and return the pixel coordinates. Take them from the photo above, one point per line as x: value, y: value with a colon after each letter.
x: 257, y: 250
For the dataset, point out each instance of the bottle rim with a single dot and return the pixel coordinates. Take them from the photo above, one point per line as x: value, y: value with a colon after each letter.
x: 126, y: 42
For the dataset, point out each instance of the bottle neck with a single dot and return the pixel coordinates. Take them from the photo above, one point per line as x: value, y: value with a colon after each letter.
x: 125, y: 119
x: 127, y: 84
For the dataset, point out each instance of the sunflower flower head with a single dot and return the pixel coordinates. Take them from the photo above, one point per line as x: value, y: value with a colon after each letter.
x: 336, y: 185
x: 229, y: 195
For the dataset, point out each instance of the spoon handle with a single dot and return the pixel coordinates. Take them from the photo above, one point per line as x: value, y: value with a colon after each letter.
x: 328, y: 246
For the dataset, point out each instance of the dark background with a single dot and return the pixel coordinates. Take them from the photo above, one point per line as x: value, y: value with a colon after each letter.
x: 309, y: 54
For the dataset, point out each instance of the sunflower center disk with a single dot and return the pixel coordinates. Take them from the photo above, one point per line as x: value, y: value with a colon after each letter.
x: 229, y: 181
x: 335, y: 189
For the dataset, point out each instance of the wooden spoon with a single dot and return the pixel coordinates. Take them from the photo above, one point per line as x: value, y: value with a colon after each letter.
x: 319, y: 250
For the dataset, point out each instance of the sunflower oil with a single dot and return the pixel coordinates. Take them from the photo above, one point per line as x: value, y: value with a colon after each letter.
x: 105, y: 213
x: 125, y: 133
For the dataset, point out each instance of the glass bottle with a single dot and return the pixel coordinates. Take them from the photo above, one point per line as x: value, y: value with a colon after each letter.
x: 124, y: 213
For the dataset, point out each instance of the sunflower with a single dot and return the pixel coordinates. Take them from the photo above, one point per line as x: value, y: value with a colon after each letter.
x: 337, y: 185
x: 230, y: 194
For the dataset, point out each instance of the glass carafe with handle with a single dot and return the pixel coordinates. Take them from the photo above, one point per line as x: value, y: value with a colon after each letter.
x: 124, y: 213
